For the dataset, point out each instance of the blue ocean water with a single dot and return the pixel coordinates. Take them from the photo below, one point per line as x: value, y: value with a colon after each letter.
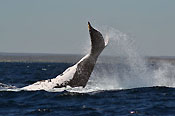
x: 140, y: 101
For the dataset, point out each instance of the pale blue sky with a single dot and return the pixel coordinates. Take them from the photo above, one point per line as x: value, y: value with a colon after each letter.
x: 60, y: 26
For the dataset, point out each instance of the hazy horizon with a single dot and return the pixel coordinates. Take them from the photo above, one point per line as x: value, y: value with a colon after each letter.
x: 60, y: 27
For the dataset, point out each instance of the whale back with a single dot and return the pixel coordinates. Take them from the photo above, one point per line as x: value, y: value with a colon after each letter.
x: 83, y: 72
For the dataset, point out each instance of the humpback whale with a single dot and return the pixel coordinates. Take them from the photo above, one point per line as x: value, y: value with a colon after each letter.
x: 78, y: 74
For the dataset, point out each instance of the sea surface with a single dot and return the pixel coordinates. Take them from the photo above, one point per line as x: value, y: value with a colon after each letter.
x: 113, y: 90
x: 126, y: 85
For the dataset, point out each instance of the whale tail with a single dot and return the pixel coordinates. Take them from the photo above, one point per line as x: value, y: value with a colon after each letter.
x: 97, y: 41
x: 79, y: 74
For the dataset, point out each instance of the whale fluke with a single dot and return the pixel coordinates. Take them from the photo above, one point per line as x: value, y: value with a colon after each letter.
x: 97, y: 40
x: 78, y: 74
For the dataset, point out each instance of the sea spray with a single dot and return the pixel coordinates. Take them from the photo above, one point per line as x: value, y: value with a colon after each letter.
x: 133, y: 70
x: 164, y: 75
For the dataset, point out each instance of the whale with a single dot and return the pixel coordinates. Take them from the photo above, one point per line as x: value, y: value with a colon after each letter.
x: 78, y: 74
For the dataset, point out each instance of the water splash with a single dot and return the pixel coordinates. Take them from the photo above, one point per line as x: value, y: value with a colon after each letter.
x: 132, y: 71
x: 164, y: 75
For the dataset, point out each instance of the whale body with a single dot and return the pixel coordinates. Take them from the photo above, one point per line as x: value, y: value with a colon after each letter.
x: 78, y: 74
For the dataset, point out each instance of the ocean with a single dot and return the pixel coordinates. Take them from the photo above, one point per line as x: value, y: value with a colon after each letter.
x: 113, y: 90
x: 128, y: 84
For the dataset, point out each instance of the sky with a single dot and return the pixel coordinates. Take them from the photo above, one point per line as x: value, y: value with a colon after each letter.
x: 60, y: 26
